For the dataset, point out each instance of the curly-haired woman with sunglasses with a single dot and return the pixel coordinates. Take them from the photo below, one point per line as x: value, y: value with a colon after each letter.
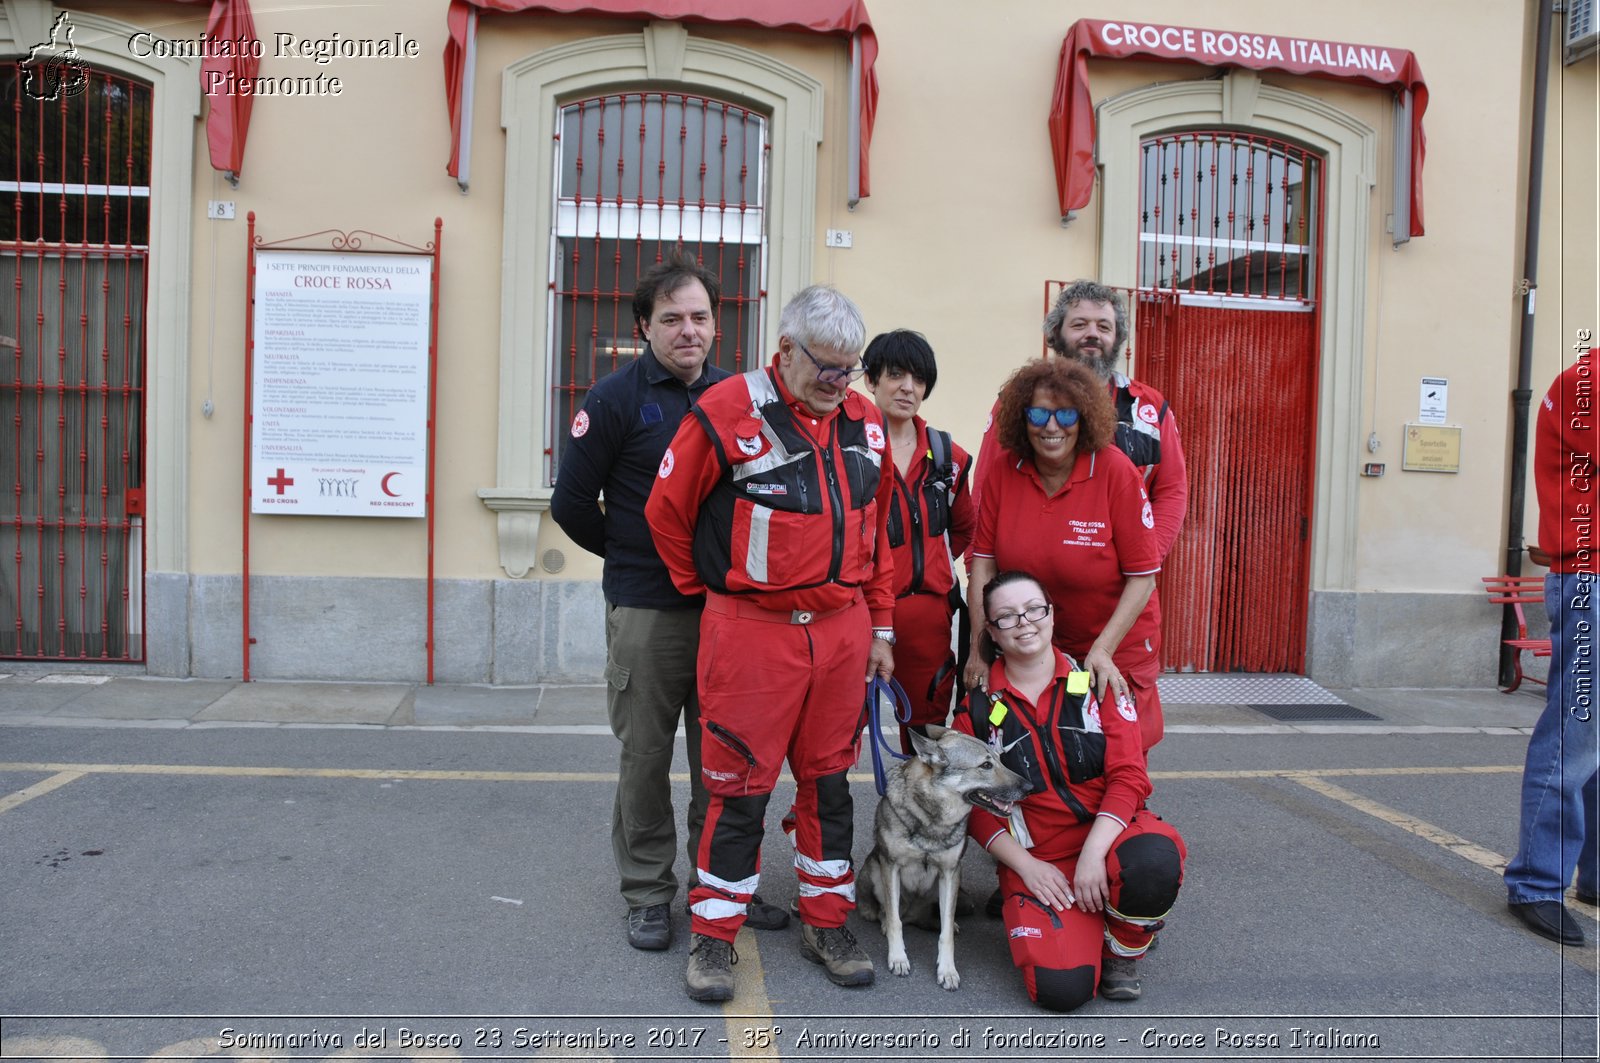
x: 1068, y: 506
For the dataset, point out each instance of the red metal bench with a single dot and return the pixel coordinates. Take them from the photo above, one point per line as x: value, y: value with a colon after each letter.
x: 1517, y: 591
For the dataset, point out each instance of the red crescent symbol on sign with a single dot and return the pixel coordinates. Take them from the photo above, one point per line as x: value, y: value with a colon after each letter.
x: 384, y: 483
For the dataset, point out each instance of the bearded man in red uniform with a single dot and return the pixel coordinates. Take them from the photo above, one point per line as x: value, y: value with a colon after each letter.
x: 1088, y: 324
x: 772, y: 500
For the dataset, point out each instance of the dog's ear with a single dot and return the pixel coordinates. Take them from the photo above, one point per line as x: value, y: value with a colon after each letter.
x: 928, y: 750
x: 936, y: 731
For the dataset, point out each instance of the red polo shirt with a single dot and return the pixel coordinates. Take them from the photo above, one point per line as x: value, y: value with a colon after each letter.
x: 1081, y: 543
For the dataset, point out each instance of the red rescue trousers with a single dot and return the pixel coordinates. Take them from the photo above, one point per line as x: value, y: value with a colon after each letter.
x: 773, y: 688
x: 1140, y: 665
x: 1059, y: 953
x: 924, y: 665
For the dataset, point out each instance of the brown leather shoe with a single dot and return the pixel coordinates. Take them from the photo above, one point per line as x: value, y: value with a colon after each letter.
x: 710, y: 974
x: 836, y: 949
x: 1119, y: 979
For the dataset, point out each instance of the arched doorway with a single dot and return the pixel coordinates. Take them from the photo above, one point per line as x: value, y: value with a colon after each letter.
x: 1226, y: 327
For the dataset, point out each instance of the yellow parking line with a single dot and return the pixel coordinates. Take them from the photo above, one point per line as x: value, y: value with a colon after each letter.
x: 1313, y: 779
x: 320, y: 773
x: 611, y: 776
x: 1421, y: 828
x: 55, y: 782
x: 748, y: 1015
x: 1286, y: 773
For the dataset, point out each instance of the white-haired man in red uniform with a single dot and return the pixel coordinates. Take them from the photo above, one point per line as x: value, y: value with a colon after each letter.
x: 772, y: 499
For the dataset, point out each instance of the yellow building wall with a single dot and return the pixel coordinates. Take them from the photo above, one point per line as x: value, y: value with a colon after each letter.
x: 957, y: 240
x: 1568, y: 299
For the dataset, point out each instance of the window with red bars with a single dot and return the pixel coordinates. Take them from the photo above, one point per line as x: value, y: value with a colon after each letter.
x: 639, y: 173
x: 1230, y: 214
x: 74, y: 235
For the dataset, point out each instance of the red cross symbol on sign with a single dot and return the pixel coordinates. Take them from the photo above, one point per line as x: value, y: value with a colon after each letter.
x: 280, y: 481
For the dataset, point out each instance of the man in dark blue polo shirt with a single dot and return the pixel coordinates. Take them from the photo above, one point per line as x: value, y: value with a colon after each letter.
x: 652, y: 631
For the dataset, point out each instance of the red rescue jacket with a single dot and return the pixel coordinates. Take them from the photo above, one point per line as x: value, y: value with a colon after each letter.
x: 752, y: 499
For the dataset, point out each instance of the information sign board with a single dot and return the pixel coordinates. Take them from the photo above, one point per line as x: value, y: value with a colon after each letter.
x: 1432, y: 448
x: 340, y: 387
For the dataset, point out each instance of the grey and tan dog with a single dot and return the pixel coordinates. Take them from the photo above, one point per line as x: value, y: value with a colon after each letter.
x: 920, y: 833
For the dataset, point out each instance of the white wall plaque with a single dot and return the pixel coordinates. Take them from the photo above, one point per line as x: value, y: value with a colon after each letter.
x: 1435, y: 400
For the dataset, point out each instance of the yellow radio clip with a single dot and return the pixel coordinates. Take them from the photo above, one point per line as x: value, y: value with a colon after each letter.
x: 1077, y: 682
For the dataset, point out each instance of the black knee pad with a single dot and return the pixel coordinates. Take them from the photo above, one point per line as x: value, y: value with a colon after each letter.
x: 837, y: 813
x: 1151, y: 871
x: 1066, y: 990
x: 736, y: 842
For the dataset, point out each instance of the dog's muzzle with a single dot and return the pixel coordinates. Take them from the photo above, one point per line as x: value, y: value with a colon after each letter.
x: 991, y: 802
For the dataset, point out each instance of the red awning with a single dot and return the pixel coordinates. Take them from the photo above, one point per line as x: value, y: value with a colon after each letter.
x: 228, y: 111
x: 1072, y: 107
x: 228, y: 114
x: 842, y: 17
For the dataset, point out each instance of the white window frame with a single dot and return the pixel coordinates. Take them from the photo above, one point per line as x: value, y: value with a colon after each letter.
x: 1228, y: 245
x: 669, y: 223
x: 663, y: 56
x: 175, y: 101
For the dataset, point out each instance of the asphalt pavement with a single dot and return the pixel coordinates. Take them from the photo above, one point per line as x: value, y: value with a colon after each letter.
x: 203, y: 869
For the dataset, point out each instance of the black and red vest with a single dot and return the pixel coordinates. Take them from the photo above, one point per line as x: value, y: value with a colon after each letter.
x: 1140, y: 412
x: 787, y: 513
x: 1057, y: 745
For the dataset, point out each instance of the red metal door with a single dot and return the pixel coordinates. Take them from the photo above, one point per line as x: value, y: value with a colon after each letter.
x: 1230, y: 239
x: 1235, y: 588
x: 74, y: 239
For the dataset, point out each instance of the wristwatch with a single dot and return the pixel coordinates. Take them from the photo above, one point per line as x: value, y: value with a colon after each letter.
x: 884, y: 633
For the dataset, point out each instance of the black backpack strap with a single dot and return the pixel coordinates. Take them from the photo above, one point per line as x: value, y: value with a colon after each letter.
x: 942, y: 454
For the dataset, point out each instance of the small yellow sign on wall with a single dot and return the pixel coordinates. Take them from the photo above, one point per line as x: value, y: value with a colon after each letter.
x: 1432, y: 448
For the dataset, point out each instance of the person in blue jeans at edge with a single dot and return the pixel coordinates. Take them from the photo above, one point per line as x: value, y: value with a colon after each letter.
x: 1560, y: 814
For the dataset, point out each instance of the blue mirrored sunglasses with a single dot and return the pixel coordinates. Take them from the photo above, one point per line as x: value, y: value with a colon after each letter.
x: 1038, y: 416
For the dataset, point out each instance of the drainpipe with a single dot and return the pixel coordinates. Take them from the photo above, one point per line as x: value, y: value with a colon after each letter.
x: 1521, y: 397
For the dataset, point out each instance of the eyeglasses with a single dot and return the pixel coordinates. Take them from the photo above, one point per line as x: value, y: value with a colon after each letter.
x: 831, y: 374
x: 1038, y: 416
x: 1033, y: 614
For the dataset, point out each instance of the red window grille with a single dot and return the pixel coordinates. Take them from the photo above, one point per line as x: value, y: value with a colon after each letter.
x: 1226, y: 213
x: 639, y: 173
x: 73, y: 251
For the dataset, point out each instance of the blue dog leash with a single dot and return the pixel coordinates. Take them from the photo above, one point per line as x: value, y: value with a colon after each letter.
x: 902, y: 712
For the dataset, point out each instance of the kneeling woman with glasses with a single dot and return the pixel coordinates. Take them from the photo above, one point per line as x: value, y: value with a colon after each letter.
x: 1087, y: 872
x: 1067, y: 505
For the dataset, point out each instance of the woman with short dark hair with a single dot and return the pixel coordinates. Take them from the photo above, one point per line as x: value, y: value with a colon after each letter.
x: 931, y: 516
